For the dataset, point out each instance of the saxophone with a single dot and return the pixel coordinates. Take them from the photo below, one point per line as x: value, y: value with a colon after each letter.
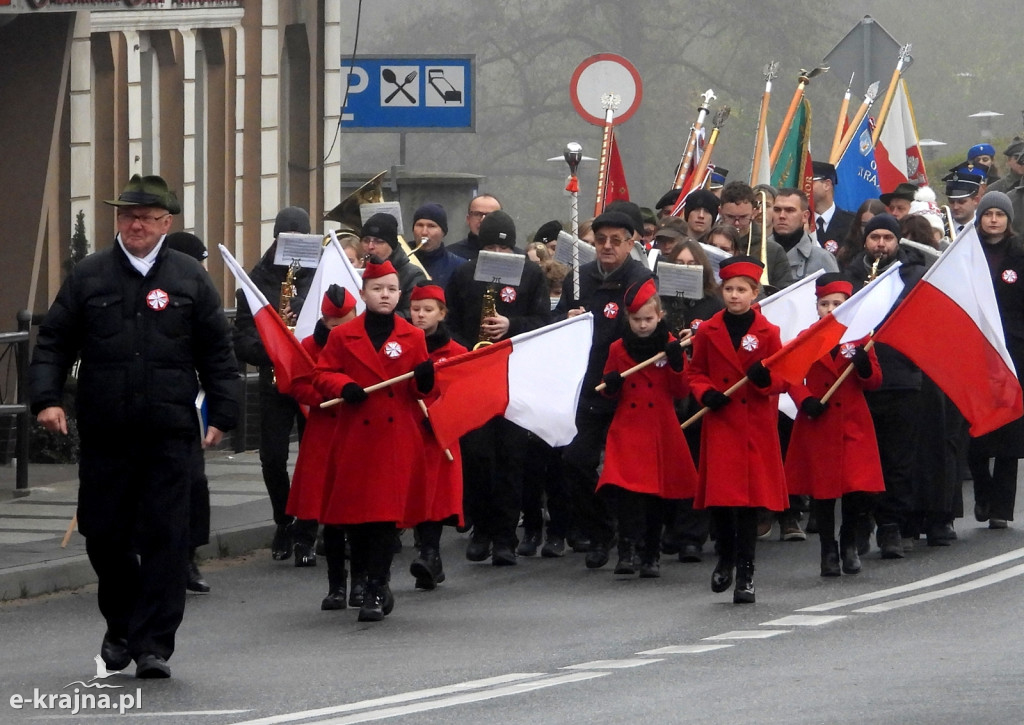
x: 487, y: 309
x: 287, y: 292
x: 874, y: 269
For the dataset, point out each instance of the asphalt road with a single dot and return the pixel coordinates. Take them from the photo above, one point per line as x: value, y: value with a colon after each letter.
x: 549, y: 641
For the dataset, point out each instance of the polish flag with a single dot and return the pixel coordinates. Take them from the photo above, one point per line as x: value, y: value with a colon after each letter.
x: 969, y: 361
x: 533, y: 379
x: 289, y: 358
x: 898, y: 152
x: 851, y: 321
x: 334, y: 268
x: 792, y: 308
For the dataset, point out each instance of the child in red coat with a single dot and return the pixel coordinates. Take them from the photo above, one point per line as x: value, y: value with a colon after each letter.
x: 740, y: 458
x: 833, y: 451
x: 646, y: 459
x: 441, y: 496
x: 376, y: 455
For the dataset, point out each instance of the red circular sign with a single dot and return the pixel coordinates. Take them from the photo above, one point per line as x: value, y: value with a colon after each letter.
x: 602, y: 74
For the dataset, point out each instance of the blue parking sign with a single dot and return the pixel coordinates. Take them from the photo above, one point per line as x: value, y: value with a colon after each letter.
x: 408, y: 93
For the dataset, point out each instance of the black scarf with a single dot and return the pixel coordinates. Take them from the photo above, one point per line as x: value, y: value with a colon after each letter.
x: 438, y: 338
x: 788, y: 241
x: 738, y: 325
x: 642, y: 348
x: 379, y: 328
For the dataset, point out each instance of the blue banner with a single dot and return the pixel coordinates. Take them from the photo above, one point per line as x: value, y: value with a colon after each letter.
x: 857, y: 172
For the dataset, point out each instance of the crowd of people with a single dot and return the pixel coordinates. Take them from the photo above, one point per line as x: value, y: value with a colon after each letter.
x: 871, y: 430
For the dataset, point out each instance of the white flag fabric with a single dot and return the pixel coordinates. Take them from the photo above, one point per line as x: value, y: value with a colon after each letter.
x: 334, y: 268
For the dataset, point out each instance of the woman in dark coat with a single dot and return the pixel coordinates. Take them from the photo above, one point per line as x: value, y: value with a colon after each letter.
x: 993, y: 457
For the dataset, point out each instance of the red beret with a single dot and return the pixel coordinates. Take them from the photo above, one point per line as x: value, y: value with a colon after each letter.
x: 741, y: 266
x: 638, y: 296
x: 831, y: 283
x: 337, y: 302
x: 374, y: 270
x: 428, y: 292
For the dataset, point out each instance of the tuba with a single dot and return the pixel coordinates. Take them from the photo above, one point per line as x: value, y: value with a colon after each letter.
x: 487, y: 309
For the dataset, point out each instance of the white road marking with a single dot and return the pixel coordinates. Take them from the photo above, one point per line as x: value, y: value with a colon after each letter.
x: 803, y: 620
x: 166, y: 713
x: 685, y: 649
x: 947, y: 592
x: 610, y: 664
x: 749, y: 634
x: 920, y: 584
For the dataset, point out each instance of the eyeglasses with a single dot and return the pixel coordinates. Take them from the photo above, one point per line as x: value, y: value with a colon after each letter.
x: 614, y: 241
x: 478, y: 214
x: 124, y: 217
x: 737, y: 218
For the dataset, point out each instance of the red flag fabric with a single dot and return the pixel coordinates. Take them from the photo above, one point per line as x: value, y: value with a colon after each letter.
x: 616, y: 188
x: 977, y: 373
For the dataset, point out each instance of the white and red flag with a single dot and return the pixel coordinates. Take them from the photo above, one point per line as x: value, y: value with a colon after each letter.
x: 533, y: 379
x: 289, y: 358
x: 334, y: 268
x: 969, y: 360
x: 898, y: 151
x: 851, y: 321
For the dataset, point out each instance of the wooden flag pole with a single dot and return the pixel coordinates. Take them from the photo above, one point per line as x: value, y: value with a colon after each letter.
x: 844, y: 375
x: 770, y: 71
x: 646, y: 363
x: 890, y: 93
x: 705, y: 160
x: 372, y: 388
x: 610, y: 103
x: 691, y: 142
x: 71, y: 529
x: 869, y: 98
x: 804, y: 79
x: 423, y: 407
x: 703, y: 411
x: 844, y: 107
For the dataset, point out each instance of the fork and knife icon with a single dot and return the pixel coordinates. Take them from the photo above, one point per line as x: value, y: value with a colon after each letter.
x: 389, y: 75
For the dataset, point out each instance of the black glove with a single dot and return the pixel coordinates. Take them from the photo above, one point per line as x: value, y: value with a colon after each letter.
x: 674, y: 355
x: 862, y: 363
x: 424, y: 376
x: 758, y: 374
x: 612, y: 382
x: 353, y: 393
x: 428, y: 426
x: 715, y: 399
x: 813, y: 407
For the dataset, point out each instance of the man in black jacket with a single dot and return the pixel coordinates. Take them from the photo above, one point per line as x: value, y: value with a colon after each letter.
x: 603, y: 285
x: 144, y: 320
x: 832, y: 224
x: 479, y: 208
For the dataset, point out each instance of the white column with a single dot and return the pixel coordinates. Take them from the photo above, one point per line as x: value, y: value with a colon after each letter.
x: 83, y: 187
x: 189, y: 163
x: 270, y: 130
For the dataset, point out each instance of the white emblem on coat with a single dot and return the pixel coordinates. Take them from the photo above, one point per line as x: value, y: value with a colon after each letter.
x: 508, y: 294
x: 695, y: 324
x: 832, y: 246
x: 661, y: 363
x: 1009, y: 276
x: 611, y: 310
x: 157, y: 299
x: 392, y: 350
x: 847, y: 350
x: 749, y: 343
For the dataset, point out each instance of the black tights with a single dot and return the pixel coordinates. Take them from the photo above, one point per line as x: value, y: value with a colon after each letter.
x: 736, y: 529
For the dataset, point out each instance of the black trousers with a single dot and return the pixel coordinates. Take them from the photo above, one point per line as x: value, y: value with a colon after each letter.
x: 995, y: 487
x: 942, y: 435
x: 736, y: 530
x: 198, y: 504
x: 581, y: 459
x: 639, y: 517
x: 133, y: 509
x: 492, y: 479
x: 373, y: 545
x: 856, y: 506
x: 895, y: 415
x: 278, y: 415
x: 543, y: 476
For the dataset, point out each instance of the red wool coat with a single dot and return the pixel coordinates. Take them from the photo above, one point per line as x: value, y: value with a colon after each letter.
x: 306, y: 493
x: 837, y: 452
x: 441, y: 496
x: 740, y: 457
x: 376, y: 455
x: 646, y: 451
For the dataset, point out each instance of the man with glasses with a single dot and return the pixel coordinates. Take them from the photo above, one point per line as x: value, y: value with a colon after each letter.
x: 603, y: 285
x: 144, y: 320
x: 479, y: 208
x: 737, y: 208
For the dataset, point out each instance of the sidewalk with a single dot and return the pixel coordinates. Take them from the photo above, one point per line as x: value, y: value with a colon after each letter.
x: 33, y: 522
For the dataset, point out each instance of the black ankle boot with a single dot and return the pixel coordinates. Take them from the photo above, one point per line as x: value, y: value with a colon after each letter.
x: 626, y: 565
x: 830, y: 558
x: 744, y: 591
x: 372, y: 609
x: 721, y: 577
x: 337, y: 589
x: 848, y: 549
x: 358, y: 591
x: 427, y: 569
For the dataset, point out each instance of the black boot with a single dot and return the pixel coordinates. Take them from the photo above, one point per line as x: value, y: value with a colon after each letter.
x: 372, y: 609
x: 358, y: 591
x: 427, y: 569
x: 721, y: 577
x: 195, y: 582
x: 848, y: 549
x: 597, y: 556
x: 337, y: 593
x: 650, y: 566
x: 626, y: 565
x: 305, y: 553
x: 830, y: 558
x: 889, y: 541
x: 281, y: 546
x: 744, y: 591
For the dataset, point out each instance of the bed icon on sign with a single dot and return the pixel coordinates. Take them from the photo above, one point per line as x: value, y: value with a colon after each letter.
x: 446, y: 82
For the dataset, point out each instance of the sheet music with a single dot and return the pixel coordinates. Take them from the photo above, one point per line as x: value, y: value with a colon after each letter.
x: 382, y: 207
x: 306, y: 248
x: 715, y: 256
x: 681, y: 280
x: 563, y: 250
x: 498, y: 268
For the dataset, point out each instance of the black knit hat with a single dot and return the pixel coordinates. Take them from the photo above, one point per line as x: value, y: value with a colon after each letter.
x: 291, y: 219
x: 382, y: 226
x: 187, y: 243
x: 629, y: 209
x: 701, y: 199
x: 497, y: 228
x: 882, y: 221
x: 669, y: 199
x: 548, y: 231
x: 433, y: 212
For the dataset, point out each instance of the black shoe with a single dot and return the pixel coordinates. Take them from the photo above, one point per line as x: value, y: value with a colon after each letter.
x: 721, y: 577
x: 650, y: 568
x: 281, y: 547
x: 114, y: 651
x: 848, y: 549
x: 690, y: 554
x: 305, y: 554
x: 812, y: 523
x: 389, y: 600
x: 358, y: 591
x: 889, y: 541
x: 862, y: 534
x: 670, y: 545
x: 195, y: 581
x: 941, y: 534
x: 529, y: 545
x: 553, y: 548
x: 626, y: 565
x: 427, y: 569
x: 151, y: 667
x: 579, y: 544
x: 597, y: 556
x: 744, y: 591
x: 830, y: 559
x: 335, y: 599
x: 372, y: 609
x: 479, y: 547
x: 319, y: 548
x: 981, y: 513
x: 503, y: 555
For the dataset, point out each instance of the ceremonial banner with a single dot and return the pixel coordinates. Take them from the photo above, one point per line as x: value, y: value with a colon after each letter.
x: 789, y: 169
x: 763, y: 173
x: 969, y: 360
x: 289, y: 358
x: 856, y: 171
x: 501, y: 379
x: 851, y: 321
x: 334, y: 268
x: 616, y: 188
x: 898, y: 153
